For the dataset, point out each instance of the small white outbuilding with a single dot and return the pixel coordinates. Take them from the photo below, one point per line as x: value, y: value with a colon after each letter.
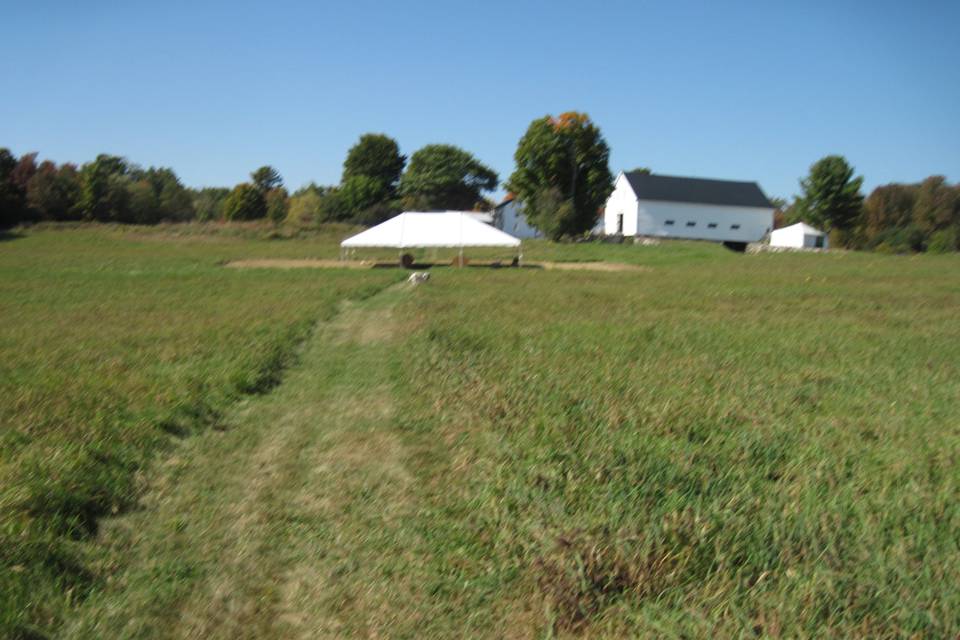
x: 798, y: 236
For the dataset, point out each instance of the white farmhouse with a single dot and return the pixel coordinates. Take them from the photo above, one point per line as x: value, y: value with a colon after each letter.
x: 644, y: 204
x: 798, y: 236
x: 508, y: 216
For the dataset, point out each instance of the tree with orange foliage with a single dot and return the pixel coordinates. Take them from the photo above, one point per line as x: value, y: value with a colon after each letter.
x: 562, y: 176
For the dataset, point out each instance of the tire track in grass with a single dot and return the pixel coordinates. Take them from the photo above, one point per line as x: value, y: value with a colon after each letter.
x: 252, y: 531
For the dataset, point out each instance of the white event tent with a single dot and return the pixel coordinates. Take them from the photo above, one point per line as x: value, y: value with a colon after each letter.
x: 417, y: 229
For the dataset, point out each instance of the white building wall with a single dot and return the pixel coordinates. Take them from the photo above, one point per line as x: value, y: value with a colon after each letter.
x: 791, y: 237
x: 719, y: 223
x: 510, y: 219
x: 796, y: 237
x: 621, y: 202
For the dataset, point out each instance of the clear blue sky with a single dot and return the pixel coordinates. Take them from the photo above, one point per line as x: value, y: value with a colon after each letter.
x: 739, y: 90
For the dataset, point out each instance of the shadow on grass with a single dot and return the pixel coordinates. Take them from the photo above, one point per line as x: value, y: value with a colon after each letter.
x: 424, y: 266
x: 9, y: 234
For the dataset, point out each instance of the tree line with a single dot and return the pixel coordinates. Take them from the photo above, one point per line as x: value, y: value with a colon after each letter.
x: 108, y: 189
x: 894, y: 218
x: 377, y: 183
x: 562, y: 179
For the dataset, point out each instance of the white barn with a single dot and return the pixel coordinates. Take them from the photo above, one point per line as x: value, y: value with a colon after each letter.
x: 798, y: 236
x: 508, y: 217
x: 644, y: 204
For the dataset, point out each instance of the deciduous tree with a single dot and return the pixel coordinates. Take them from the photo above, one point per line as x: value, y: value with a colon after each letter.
x: 172, y: 200
x: 12, y: 196
x: 103, y: 189
x: 208, y: 202
x: 53, y: 193
x: 889, y: 206
x: 375, y: 156
x: 245, y: 202
x: 26, y: 168
x: 937, y: 205
x: 360, y: 192
x: 278, y: 204
x: 562, y: 159
x: 305, y: 207
x: 442, y: 176
x: 333, y: 206
x: 143, y: 204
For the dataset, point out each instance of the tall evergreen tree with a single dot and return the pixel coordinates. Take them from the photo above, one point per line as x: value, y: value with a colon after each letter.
x: 831, y: 194
x: 266, y: 178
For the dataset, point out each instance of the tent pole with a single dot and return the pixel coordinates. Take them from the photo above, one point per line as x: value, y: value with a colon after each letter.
x: 461, y: 239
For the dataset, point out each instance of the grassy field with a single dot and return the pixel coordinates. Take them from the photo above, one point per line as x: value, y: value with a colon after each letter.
x: 717, y: 445
x: 112, y: 343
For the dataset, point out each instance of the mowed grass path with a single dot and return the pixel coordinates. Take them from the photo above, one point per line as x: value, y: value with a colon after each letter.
x: 720, y: 445
x: 112, y: 344
x: 253, y: 531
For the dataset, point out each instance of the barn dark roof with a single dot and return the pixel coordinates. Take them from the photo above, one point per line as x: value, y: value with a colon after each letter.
x: 647, y: 186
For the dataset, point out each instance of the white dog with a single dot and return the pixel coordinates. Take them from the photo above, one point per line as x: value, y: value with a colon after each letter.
x: 418, y: 277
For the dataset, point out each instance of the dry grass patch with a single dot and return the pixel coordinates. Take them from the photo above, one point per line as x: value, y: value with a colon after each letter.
x: 303, y: 263
x: 589, y: 266
x: 308, y: 263
x: 582, y: 574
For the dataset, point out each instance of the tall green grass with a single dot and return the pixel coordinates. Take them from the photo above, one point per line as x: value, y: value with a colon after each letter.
x: 718, y: 445
x: 750, y: 445
x: 113, y: 342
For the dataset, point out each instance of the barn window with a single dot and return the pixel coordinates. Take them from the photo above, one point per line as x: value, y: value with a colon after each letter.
x: 691, y: 224
x: 712, y: 225
x: 668, y: 223
x: 734, y: 226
